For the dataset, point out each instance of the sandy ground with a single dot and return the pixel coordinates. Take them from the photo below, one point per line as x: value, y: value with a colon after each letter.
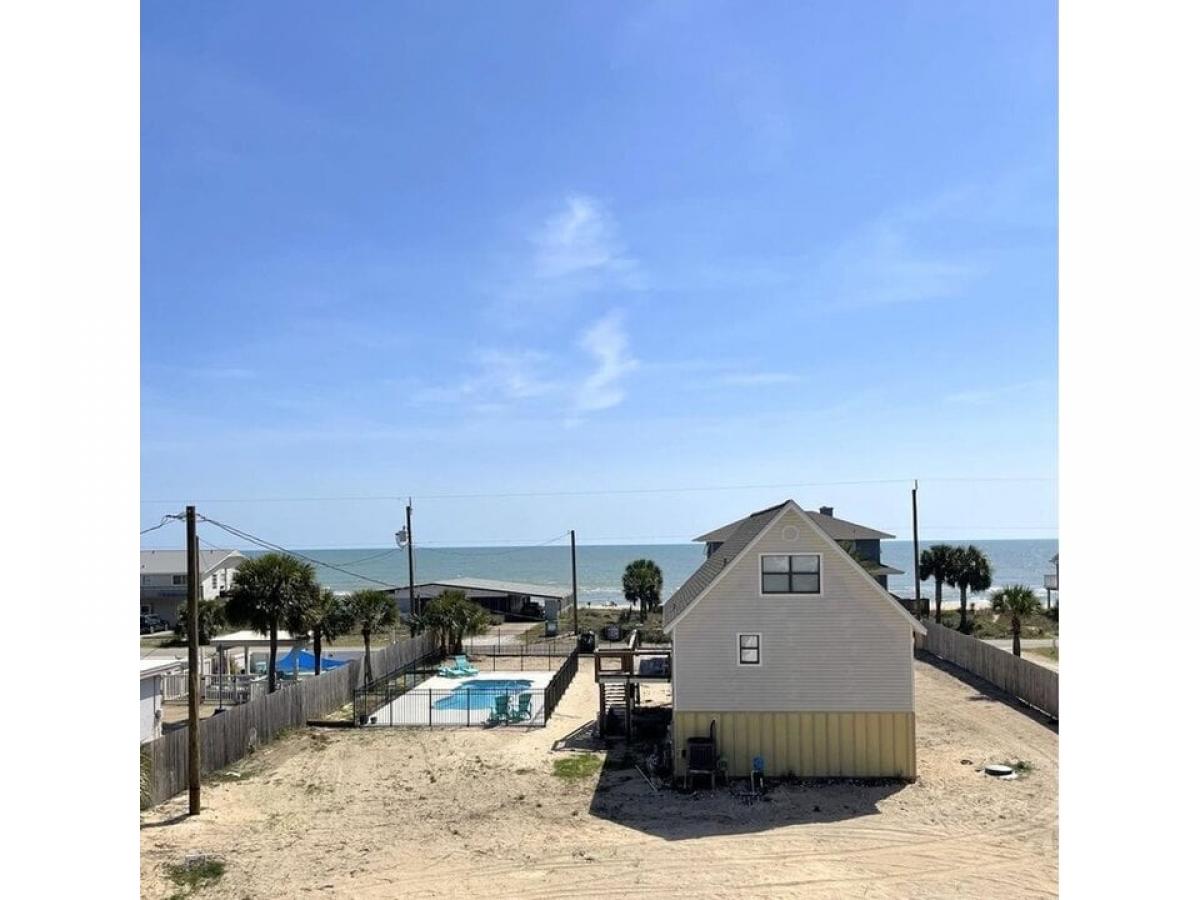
x: 381, y: 813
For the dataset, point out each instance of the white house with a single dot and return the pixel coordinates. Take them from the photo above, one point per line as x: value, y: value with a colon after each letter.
x: 786, y: 649
x: 153, y: 672
x: 164, y: 578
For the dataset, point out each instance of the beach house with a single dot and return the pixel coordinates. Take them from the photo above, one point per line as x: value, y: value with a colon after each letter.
x: 786, y: 649
x: 164, y: 579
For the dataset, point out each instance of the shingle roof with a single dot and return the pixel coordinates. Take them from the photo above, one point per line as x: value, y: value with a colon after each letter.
x: 174, y: 562
x: 744, y: 531
x: 838, y: 529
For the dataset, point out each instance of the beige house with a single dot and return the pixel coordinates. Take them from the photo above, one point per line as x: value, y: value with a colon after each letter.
x: 164, y: 579
x: 785, y: 648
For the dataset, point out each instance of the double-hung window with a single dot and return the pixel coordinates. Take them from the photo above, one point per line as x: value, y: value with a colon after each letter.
x: 795, y: 573
x: 749, y: 649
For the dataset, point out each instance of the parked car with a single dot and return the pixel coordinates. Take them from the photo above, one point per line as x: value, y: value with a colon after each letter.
x: 152, y: 624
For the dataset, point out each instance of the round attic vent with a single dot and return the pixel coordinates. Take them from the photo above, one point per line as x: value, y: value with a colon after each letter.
x: 791, y: 533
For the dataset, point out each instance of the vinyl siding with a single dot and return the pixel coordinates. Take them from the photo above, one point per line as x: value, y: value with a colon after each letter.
x: 843, y: 651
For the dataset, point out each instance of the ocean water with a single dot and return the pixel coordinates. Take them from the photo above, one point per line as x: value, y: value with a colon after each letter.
x: 600, y: 567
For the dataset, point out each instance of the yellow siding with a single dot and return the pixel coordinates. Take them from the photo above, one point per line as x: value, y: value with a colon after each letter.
x: 807, y: 744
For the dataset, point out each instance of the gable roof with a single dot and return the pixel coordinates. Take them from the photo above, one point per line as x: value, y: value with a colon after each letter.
x: 838, y: 529
x: 744, y: 532
x: 174, y: 562
x: 746, y: 535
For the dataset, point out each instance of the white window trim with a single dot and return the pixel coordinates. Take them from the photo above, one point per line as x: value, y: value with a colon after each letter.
x: 738, y: 648
x: 820, y: 569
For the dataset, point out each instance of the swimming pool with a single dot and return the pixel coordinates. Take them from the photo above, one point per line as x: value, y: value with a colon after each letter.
x: 480, y: 693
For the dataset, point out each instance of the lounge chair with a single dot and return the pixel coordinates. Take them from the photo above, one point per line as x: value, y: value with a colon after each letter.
x: 524, y: 707
x: 451, y: 672
x: 464, y: 665
x: 500, y: 714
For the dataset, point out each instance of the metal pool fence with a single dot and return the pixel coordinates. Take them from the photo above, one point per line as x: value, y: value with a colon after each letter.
x: 396, y: 702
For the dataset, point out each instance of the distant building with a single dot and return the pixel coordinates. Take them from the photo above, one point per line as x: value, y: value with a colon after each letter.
x: 153, y: 673
x: 859, y: 540
x: 1050, y: 581
x: 513, y: 600
x: 164, y: 579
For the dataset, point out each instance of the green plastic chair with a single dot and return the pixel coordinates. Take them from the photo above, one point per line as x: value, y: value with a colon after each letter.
x: 463, y: 665
x: 500, y: 713
x: 524, y: 707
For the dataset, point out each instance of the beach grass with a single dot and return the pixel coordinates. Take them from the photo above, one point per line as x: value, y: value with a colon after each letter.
x: 577, y: 766
x: 986, y: 624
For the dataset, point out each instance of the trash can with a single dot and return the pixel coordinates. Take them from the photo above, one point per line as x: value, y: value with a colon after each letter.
x: 587, y: 642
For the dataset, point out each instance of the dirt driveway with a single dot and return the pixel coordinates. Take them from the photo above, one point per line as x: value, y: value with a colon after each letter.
x: 472, y: 812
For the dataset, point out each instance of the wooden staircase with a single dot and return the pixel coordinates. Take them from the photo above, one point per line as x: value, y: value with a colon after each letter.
x: 615, y: 702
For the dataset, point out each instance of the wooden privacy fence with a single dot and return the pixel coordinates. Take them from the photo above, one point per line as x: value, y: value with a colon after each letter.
x: 227, y: 737
x: 1027, y: 681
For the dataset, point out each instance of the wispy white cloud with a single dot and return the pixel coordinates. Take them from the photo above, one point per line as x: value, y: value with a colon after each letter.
x: 580, y: 237
x: 225, y: 373
x: 608, y: 344
x: 759, y: 379
x: 986, y: 395
x: 500, y: 377
x: 882, y: 265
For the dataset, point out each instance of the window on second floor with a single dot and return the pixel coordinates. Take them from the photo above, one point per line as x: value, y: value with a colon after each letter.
x: 749, y: 649
x: 796, y: 573
x: 178, y: 579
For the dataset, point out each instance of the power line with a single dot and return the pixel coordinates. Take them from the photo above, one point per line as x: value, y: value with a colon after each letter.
x: 623, y: 491
x: 355, y: 562
x: 246, y: 536
x: 164, y: 521
x: 450, y: 549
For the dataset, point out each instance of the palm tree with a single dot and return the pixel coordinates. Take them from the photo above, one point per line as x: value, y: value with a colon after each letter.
x: 210, y: 615
x: 936, y: 563
x: 453, y: 616
x: 970, y: 570
x: 324, y: 616
x: 371, y: 612
x: 642, y: 584
x: 266, y: 591
x: 1016, y: 600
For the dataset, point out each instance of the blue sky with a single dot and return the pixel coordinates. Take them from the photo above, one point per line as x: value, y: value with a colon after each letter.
x: 533, y: 248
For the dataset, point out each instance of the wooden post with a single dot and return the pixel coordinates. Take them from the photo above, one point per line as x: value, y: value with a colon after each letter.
x: 917, y: 607
x: 193, y: 619
x: 574, y: 585
x: 412, y: 603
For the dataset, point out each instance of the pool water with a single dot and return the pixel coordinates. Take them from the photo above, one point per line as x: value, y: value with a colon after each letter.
x: 480, y: 693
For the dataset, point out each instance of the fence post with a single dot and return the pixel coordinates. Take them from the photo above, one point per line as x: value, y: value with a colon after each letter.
x: 468, y: 707
x: 429, y: 694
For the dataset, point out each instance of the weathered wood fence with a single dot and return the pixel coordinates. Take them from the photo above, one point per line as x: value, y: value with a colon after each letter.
x: 1027, y: 681
x: 227, y: 737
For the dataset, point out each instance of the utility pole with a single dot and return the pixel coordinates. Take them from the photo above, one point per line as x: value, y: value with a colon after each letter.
x: 574, y: 585
x: 917, y: 606
x: 193, y: 622
x: 412, y: 593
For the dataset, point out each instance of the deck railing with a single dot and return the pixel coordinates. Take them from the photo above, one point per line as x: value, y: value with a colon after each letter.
x: 626, y: 661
